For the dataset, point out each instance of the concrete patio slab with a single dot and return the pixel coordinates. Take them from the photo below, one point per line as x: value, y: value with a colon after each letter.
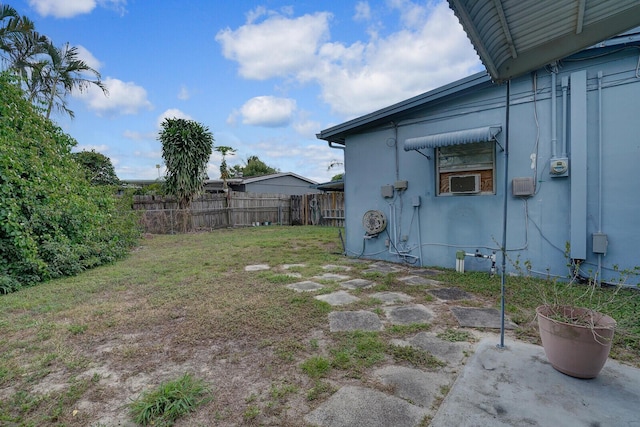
x: 516, y: 386
x: 362, y: 320
x: 408, y: 314
x: 419, y: 280
x: 391, y: 297
x: 470, y: 317
x: 338, y: 298
x: 450, y: 294
x: 306, y: 286
x: 362, y: 407
x: 357, y: 284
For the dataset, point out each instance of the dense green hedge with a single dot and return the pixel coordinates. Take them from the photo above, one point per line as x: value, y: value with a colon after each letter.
x: 53, y: 222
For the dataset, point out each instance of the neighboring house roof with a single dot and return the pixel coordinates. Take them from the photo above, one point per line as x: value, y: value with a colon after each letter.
x: 515, y: 37
x: 276, y: 175
x: 337, y: 185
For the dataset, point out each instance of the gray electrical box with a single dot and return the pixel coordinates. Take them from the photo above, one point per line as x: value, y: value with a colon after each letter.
x: 415, y: 201
x: 386, y: 191
x: 401, y: 185
x: 600, y: 243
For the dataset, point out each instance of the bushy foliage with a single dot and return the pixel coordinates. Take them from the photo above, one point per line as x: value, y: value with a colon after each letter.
x: 53, y: 222
x: 186, y: 148
x: 98, y: 168
x: 253, y: 167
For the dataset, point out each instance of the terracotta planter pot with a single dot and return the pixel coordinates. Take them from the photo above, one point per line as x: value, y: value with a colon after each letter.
x: 573, y: 349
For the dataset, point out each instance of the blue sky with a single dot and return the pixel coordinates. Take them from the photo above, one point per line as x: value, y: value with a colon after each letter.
x: 264, y: 77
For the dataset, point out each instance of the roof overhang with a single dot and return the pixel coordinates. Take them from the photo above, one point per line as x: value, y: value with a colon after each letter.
x: 513, y: 37
x: 467, y: 136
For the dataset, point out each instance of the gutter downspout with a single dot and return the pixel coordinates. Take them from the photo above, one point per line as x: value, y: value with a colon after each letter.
x: 600, y: 75
x: 554, y: 125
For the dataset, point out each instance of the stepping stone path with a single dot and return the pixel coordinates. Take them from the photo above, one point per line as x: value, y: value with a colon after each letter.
x: 357, y: 284
x: 407, y: 315
x: 306, y: 286
x: 338, y: 298
x: 409, y: 395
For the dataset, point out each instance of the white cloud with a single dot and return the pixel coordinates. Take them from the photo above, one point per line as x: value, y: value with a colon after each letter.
x: 363, y: 11
x: 123, y: 98
x: 275, y: 47
x: 62, y: 8
x: 88, y: 58
x: 184, y: 94
x: 172, y: 113
x: 268, y: 111
x: 429, y: 50
x: 139, y: 136
x: 71, y: 8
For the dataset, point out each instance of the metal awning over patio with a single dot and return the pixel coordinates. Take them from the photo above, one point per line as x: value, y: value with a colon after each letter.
x: 468, y: 136
x: 513, y: 37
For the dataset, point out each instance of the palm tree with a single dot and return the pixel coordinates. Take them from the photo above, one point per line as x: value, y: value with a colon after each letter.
x: 12, y: 27
x: 57, y: 75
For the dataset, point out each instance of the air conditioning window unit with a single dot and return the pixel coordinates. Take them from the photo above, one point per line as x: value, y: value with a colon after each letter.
x: 464, y: 184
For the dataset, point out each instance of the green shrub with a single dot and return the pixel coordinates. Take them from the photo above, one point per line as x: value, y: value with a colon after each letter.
x: 53, y: 222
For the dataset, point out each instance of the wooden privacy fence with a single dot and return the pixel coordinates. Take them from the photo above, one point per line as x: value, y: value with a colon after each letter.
x: 162, y: 216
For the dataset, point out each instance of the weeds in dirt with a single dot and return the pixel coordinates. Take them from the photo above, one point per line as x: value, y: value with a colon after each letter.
x: 316, y: 366
x: 170, y: 401
x: 415, y: 356
x: 455, y: 335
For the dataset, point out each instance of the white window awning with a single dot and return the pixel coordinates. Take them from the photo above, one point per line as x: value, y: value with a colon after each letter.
x: 468, y: 136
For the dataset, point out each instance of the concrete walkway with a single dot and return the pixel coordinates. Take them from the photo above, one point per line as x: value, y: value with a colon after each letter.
x: 481, y: 384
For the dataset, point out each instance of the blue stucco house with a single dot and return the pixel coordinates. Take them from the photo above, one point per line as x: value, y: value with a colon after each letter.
x: 425, y: 178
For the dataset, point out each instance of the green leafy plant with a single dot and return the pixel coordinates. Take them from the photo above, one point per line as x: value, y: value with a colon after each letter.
x: 186, y: 148
x: 168, y: 402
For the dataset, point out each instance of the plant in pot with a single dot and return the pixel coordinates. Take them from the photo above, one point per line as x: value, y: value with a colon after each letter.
x: 576, y: 333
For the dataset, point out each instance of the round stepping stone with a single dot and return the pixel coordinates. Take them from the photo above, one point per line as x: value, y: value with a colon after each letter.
x: 357, y: 284
x: 338, y: 298
x: 406, y: 315
x: 354, y: 321
x: 257, y: 267
x: 306, y: 286
x: 391, y: 297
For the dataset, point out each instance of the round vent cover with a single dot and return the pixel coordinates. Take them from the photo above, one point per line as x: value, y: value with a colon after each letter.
x: 374, y: 222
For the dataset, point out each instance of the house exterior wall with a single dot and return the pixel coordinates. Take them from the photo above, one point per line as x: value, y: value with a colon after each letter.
x: 289, y: 185
x: 538, y: 227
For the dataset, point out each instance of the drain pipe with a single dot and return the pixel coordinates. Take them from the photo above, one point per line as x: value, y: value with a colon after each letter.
x: 554, y: 140
x: 565, y: 85
x: 600, y: 75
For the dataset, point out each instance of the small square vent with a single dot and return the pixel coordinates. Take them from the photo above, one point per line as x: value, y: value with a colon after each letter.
x: 523, y: 186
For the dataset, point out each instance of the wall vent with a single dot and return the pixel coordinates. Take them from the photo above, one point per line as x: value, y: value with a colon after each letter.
x: 464, y: 184
x: 523, y: 186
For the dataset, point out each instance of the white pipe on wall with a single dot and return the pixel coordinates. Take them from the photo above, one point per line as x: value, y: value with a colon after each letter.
x: 554, y: 124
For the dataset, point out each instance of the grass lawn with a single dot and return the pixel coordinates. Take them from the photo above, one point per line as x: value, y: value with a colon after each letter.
x: 89, y: 350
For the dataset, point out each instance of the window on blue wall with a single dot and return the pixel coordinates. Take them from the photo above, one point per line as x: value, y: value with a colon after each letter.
x: 466, y: 169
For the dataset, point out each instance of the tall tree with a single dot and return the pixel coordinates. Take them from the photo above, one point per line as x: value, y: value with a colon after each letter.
x: 224, y: 169
x: 186, y: 148
x: 254, y: 167
x: 58, y: 75
x: 98, y: 167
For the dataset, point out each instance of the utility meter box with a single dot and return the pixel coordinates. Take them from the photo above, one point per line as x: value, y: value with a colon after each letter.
x: 559, y: 167
x: 386, y: 191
